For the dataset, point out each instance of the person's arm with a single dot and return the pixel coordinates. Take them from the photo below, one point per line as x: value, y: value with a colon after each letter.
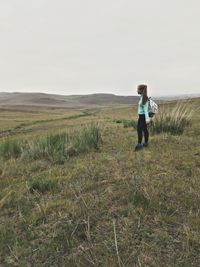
x: 146, y: 111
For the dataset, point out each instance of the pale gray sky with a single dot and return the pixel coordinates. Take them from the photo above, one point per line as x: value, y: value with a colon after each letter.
x: 90, y: 46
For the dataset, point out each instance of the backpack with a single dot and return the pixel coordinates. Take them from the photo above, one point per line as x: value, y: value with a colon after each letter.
x: 153, y: 107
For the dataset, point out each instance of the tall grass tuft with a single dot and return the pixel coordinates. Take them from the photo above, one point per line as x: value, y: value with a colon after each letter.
x: 46, y: 147
x: 88, y: 138
x: 54, y: 147
x: 173, y: 120
x: 10, y: 148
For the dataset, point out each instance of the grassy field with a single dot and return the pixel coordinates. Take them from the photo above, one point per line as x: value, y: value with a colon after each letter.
x: 99, y: 203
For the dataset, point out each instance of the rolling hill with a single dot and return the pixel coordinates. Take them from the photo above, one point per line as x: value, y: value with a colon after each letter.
x: 35, y: 100
x: 29, y: 101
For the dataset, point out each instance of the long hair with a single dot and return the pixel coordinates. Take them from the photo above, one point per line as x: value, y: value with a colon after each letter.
x: 143, y: 89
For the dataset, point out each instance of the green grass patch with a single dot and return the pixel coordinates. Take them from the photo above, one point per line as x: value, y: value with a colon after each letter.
x: 54, y: 147
x: 127, y: 123
x: 41, y: 184
x: 47, y: 147
x: 89, y: 138
x: 10, y: 148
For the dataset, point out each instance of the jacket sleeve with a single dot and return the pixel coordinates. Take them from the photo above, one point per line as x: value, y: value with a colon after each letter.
x: 146, y: 111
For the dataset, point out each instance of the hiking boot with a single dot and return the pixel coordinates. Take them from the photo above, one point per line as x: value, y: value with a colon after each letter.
x: 138, y: 147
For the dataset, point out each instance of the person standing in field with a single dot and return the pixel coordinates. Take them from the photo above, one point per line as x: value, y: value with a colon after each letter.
x: 144, y: 119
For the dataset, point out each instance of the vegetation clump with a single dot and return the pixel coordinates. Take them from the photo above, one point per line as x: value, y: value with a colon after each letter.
x: 41, y: 184
x: 10, y: 148
x: 173, y: 120
x: 55, y: 147
x: 45, y: 147
x: 128, y: 123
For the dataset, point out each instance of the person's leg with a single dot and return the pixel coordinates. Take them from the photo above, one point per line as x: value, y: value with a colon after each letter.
x: 139, y: 130
x: 146, y: 135
x: 146, y: 132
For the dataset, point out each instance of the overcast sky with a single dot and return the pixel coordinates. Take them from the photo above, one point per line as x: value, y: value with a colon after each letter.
x: 92, y: 46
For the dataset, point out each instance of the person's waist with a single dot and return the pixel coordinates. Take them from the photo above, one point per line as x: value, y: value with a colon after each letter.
x: 142, y: 112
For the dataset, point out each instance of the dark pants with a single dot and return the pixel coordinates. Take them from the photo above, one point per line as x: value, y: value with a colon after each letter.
x: 142, y: 128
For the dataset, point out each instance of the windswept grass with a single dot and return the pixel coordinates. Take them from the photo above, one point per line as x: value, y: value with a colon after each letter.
x: 87, y: 139
x: 10, y: 148
x: 46, y: 147
x: 173, y: 120
x: 55, y: 147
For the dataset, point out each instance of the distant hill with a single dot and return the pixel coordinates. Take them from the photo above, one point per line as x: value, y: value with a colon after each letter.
x: 43, y: 101
x: 176, y: 97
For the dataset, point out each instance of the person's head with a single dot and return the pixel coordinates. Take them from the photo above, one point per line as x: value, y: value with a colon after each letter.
x: 142, y: 90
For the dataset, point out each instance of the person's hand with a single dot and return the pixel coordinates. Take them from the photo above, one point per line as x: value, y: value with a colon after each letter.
x: 148, y: 120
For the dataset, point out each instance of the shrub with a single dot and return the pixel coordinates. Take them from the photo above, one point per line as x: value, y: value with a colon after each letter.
x: 172, y: 120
